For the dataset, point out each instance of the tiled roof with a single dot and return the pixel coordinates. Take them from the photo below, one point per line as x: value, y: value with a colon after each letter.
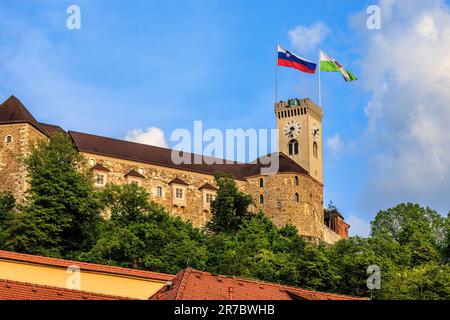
x: 161, y: 156
x: 13, y: 111
x: 208, y: 187
x: 13, y: 290
x: 134, y: 173
x: 178, y: 181
x: 6, y: 255
x: 192, y: 284
x: 51, y: 128
x: 100, y: 167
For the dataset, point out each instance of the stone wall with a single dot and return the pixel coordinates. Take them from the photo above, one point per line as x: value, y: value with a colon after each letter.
x: 279, y: 190
x: 157, y: 176
x: 13, y: 175
x: 280, y: 203
x: 329, y: 236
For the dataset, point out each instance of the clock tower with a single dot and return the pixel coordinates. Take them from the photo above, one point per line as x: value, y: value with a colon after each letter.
x: 299, y: 124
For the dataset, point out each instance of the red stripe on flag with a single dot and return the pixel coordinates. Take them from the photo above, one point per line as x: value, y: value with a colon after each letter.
x: 295, y: 65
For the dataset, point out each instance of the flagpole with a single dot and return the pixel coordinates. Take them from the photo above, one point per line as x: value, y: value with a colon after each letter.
x: 320, y: 89
x: 276, y: 75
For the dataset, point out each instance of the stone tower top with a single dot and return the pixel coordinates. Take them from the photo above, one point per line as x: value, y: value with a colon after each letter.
x: 299, y: 123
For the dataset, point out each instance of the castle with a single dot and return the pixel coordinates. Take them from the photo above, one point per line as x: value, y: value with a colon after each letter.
x: 292, y: 195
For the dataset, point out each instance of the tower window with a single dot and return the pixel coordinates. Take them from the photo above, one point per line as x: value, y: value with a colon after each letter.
x: 315, y: 149
x: 296, y: 181
x: 261, y: 199
x: 293, y: 147
x: 296, y: 198
x: 261, y: 182
x: 9, y: 139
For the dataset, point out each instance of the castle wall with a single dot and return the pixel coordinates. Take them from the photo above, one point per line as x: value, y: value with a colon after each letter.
x: 157, y: 176
x: 13, y: 175
x: 280, y: 204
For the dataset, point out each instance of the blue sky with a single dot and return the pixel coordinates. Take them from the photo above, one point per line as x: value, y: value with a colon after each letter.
x: 141, y: 64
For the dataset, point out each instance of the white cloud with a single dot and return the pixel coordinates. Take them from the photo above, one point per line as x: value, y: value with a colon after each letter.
x: 407, y: 71
x: 305, y: 39
x: 152, y: 136
x: 335, y: 144
x: 358, y: 226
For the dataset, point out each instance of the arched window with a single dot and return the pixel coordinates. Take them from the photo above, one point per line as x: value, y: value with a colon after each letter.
x: 261, y: 199
x: 296, y: 183
x: 296, y: 198
x: 315, y: 149
x: 293, y: 147
x: 261, y: 182
x: 9, y: 139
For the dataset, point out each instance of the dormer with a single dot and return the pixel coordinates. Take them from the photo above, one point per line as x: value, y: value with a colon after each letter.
x: 100, y: 173
x: 179, y: 192
x: 134, y: 176
x: 209, y: 193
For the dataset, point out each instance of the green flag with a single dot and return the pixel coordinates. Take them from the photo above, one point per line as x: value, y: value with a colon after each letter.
x: 328, y: 64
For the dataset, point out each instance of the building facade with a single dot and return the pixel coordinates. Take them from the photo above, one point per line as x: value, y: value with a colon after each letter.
x: 291, y: 195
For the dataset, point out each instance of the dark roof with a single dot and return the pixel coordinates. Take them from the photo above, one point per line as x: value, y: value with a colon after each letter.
x: 134, y: 173
x: 13, y: 111
x: 192, y: 284
x: 178, y: 181
x: 100, y: 167
x: 161, y: 156
x: 14, y: 290
x: 51, y: 128
x: 208, y: 186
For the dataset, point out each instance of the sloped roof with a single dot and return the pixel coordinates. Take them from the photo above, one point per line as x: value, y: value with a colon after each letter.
x: 192, y: 284
x: 14, y: 290
x: 100, y: 167
x: 6, y: 255
x: 178, y: 181
x: 134, y: 173
x: 161, y: 156
x: 208, y: 187
x: 12, y: 110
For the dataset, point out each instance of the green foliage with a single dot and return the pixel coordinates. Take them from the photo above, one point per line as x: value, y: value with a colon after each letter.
x: 230, y: 207
x: 61, y: 218
x: 142, y: 235
x: 62, y: 212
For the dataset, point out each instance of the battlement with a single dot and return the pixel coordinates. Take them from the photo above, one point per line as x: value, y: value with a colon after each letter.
x: 297, y: 107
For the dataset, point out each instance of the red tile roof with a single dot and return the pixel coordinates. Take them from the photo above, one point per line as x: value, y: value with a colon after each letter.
x: 192, y: 284
x: 6, y: 255
x: 13, y: 290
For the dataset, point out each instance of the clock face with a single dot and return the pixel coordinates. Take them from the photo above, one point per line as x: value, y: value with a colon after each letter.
x: 292, y: 129
x: 315, y: 131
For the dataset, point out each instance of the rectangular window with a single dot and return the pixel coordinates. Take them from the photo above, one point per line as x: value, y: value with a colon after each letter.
x: 179, y: 193
x: 159, y: 191
x: 99, y: 179
x: 209, y: 198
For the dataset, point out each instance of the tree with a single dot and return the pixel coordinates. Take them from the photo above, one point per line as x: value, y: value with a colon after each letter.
x: 62, y: 213
x: 230, y: 207
x: 140, y: 234
x: 7, y: 204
